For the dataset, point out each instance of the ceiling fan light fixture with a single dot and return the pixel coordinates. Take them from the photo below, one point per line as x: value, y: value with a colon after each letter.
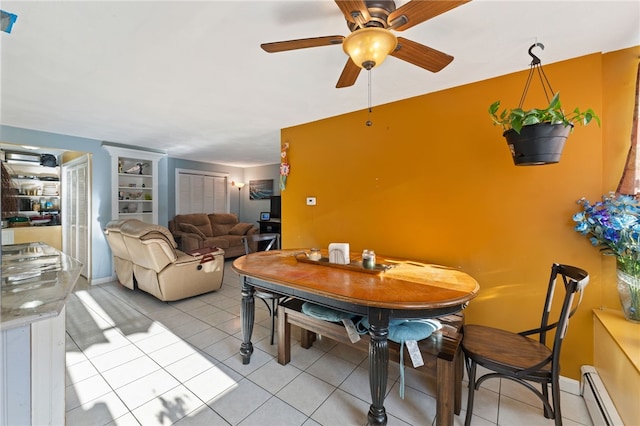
x: 369, y: 47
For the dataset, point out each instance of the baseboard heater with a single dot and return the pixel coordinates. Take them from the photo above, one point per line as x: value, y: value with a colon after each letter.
x: 599, y: 403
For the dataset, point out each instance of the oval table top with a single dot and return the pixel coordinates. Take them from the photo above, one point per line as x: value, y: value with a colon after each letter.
x: 405, y: 285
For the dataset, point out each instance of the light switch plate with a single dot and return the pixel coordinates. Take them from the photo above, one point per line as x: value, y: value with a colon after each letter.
x: 311, y: 201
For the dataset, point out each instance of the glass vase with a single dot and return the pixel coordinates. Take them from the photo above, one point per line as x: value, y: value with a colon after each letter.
x: 629, y: 292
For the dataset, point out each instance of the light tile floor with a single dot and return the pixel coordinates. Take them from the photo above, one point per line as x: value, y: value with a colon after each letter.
x: 132, y: 359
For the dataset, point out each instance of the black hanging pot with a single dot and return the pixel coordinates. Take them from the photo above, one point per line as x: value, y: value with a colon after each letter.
x: 537, y: 144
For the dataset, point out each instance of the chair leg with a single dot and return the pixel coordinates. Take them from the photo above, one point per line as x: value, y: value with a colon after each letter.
x: 471, y: 371
x: 267, y: 305
x: 545, y: 393
x: 274, y: 307
x: 555, y: 394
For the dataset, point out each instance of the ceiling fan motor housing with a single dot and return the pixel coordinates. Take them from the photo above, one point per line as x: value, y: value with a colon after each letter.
x: 379, y: 11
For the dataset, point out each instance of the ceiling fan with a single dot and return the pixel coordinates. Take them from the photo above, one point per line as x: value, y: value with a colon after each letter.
x: 371, y: 39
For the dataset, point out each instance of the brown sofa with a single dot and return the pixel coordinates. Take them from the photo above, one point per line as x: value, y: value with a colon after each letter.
x: 198, y: 230
x: 145, y: 257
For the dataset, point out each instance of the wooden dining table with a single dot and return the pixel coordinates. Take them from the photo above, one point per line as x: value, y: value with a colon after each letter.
x: 396, y: 288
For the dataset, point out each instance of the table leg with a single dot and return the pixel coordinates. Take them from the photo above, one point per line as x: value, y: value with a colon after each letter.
x: 459, y: 366
x: 284, y: 337
x: 378, y: 364
x: 247, y: 313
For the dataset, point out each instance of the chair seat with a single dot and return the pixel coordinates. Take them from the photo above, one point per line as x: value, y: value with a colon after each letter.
x: 502, y: 350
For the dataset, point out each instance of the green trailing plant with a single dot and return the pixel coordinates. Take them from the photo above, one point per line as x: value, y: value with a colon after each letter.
x: 517, y: 118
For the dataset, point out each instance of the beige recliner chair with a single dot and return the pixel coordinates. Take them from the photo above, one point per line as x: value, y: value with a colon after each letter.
x: 145, y: 256
x: 121, y: 259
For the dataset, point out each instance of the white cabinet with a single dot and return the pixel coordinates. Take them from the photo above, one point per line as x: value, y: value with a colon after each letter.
x: 134, y: 183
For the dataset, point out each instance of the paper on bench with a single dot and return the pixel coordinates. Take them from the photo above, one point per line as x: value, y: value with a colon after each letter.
x: 414, y: 353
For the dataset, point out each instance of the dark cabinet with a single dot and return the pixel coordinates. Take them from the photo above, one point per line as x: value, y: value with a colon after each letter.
x: 269, y: 226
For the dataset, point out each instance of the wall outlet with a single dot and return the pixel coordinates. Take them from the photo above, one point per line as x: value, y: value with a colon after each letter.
x: 311, y: 201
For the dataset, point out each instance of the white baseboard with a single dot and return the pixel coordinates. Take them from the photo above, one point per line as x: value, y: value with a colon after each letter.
x: 601, y: 408
x: 104, y: 280
x: 568, y: 385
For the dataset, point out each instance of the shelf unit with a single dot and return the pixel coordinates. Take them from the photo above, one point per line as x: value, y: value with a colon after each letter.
x: 134, y: 191
x: 38, y: 188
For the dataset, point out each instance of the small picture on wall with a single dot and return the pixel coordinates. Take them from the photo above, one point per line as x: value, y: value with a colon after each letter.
x: 260, y: 189
x: 265, y: 216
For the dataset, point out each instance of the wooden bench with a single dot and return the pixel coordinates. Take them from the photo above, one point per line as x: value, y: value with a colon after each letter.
x: 442, y: 357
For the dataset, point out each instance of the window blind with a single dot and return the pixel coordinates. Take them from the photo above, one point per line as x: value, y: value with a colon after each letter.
x: 201, y: 192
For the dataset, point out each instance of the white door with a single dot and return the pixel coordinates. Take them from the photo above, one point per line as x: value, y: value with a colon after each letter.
x: 75, y: 211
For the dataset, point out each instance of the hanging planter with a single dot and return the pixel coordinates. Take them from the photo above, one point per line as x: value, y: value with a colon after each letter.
x: 537, y: 144
x: 537, y: 136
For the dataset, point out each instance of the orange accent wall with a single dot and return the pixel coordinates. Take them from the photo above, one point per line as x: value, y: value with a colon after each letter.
x: 433, y: 180
x: 618, y: 93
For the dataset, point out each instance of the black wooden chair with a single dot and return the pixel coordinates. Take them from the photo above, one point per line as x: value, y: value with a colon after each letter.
x: 270, y: 299
x: 525, y: 360
x: 271, y: 240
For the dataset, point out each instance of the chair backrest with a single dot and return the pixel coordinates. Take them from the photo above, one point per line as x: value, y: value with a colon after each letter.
x: 115, y: 239
x: 574, y: 280
x: 272, y: 241
x: 150, y: 246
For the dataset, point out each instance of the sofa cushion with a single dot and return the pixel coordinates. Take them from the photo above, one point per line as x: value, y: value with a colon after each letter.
x: 240, y: 229
x: 191, y: 229
x: 221, y: 223
x: 223, y: 218
x: 199, y: 220
x: 220, y: 242
x: 220, y: 230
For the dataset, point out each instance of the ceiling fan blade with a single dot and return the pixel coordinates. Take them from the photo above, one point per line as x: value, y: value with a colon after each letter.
x: 349, y: 74
x: 418, y: 54
x: 303, y: 43
x: 354, y: 11
x: 417, y: 11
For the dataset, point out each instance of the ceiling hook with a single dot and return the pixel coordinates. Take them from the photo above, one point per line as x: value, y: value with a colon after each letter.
x: 535, y: 60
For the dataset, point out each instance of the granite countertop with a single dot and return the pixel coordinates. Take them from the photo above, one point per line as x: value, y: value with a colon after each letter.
x: 36, y: 281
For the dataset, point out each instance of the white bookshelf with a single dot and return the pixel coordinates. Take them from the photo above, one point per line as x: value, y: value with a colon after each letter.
x: 134, y: 183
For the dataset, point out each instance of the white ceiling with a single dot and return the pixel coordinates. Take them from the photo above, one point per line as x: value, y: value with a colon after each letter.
x: 190, y: 79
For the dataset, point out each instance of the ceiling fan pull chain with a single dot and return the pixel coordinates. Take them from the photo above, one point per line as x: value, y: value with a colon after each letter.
x: 369, y: 122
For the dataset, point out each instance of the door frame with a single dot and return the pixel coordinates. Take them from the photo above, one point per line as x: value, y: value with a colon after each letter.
x: 85, y: 158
